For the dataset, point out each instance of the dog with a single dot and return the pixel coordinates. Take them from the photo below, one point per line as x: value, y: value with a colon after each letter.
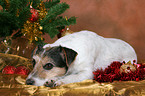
x: 74, y: 57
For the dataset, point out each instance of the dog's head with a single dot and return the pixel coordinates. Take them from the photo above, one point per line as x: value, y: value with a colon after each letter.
x: 48, y: 63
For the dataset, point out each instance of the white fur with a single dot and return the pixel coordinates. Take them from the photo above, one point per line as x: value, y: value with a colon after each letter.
x: 94, y: 52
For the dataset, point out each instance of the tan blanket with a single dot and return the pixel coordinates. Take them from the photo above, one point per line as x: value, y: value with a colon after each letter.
x: 14, y: 85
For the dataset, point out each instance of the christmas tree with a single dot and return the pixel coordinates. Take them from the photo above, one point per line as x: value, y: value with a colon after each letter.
x: 33, y: 18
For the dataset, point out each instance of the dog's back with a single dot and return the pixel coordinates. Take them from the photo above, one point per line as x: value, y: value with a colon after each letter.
x: 96, y: 50
x: 114, y: 50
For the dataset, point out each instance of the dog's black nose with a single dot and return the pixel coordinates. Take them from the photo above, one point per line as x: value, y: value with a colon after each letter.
x: 30, y: 82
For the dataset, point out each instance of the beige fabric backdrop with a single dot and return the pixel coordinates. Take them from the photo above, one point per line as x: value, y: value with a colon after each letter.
x: 124, y: 19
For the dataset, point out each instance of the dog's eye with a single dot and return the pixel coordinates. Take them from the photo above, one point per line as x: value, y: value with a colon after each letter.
x: 48, y: 66
x: 33, y: 62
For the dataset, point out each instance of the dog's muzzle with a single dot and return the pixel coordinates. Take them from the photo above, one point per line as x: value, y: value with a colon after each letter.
x: 30, y: 82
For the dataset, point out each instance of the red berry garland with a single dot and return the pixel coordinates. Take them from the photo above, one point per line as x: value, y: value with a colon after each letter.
x: 112, y: 73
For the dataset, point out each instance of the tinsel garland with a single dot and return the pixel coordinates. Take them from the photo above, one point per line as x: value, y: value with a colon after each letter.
x: 21, y: 70
x: 32, y: 28
x: 112, y: 73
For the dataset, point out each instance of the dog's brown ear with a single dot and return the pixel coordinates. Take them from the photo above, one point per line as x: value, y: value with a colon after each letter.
x: 69, y: 55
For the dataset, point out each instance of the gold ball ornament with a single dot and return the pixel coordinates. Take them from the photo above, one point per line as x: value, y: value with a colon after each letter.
x: 67, y: 32
x: 41, y: 28
x: 127, y: 68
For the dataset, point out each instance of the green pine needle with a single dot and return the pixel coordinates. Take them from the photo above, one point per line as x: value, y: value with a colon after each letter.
x: 54, y: 12
x: 24, y: 15
x: 52, y: 31
x: 50, y: 3
x: 35, y: 3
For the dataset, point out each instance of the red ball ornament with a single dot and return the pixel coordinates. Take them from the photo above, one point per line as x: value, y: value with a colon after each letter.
x: 22, y: 70
x: 35, y: 15
x: 137, y: 79
x: 62, y: 30
x: 9, y: 70
x: 60, y: 33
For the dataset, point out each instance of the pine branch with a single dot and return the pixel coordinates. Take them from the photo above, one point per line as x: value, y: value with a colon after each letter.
x: 52, y: 27
x: 17, y: 5
x: 62, y: 22
x: 2, y: 3
x: 4, y: 31
x: 54, y: 12
x: 35, y: 3
x: 24, y: 3
x: 71, y: 21
x: 24, y: 15
x: 50, y: 3
x: 4, y: 16
x: 14, y: 5
x: 7, y: 24
x: 51, y: 30
x: 7, y: 18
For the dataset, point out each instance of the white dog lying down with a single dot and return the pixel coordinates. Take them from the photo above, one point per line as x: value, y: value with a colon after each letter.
x: 74, y: 57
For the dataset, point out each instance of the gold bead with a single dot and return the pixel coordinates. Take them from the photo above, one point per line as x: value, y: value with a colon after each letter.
x: 36, y: 39
x: 42, y: 38
x: 41, y: 28
x: 67, y: 32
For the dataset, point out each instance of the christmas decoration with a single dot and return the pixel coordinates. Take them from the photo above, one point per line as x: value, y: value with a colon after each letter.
x: 7, y: 43
x: 35, y: 15
x: 60, y: 33
x: 9, y: 70
x: 21, y: 70
x: 64, y: 32
x: 31, y: 31
x: 112, y: 73
x: 127, y: 68
x: 42, y: 10
x: 67, y: 32
x: 33, y: 18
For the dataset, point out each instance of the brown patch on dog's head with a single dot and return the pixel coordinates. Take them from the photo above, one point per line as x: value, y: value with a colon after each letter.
x: 46, y: 68
x: 49, y: 63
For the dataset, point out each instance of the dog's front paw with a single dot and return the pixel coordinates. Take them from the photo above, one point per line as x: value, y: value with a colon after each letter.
x: 53, y: 83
